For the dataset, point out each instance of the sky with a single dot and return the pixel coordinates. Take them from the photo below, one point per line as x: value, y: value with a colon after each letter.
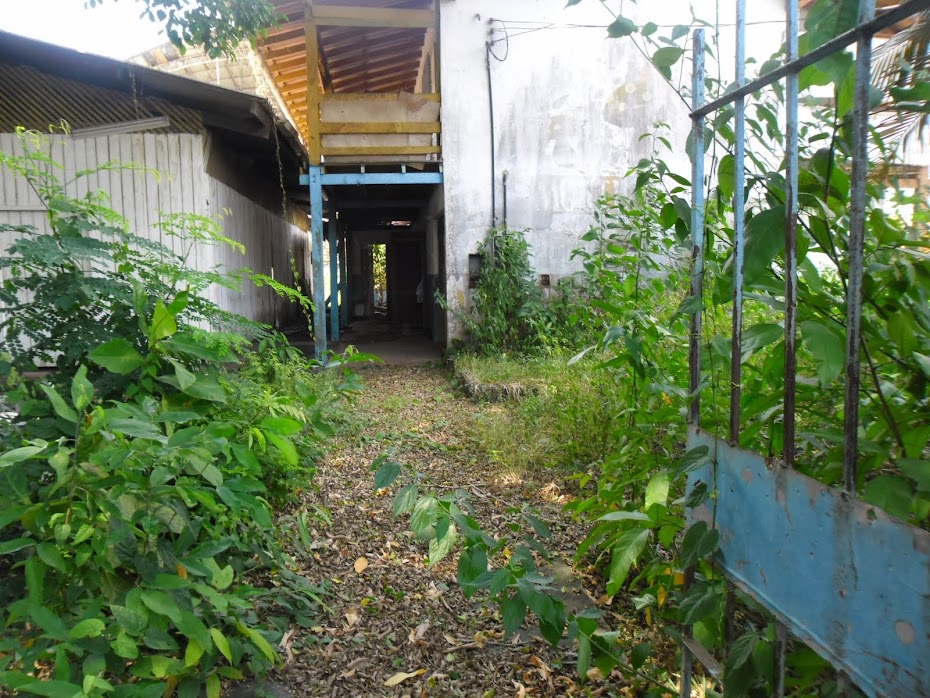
x: 112, y: 29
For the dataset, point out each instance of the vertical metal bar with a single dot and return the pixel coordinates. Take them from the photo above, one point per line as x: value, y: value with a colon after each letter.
x: 697, y: 227
x: 781, y: 647
x: 697, y: 290
x: 333, y: 278
x: 344, y: 278
x: 739, y: 216
x: 860, y: 169
x: 791, y: 236
x: 316, y: 259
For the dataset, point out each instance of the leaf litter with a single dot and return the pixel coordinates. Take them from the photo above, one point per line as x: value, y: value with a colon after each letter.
x: 396, y: 626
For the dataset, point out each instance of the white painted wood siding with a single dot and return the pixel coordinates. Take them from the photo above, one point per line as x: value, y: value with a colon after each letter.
x: 143, y: 198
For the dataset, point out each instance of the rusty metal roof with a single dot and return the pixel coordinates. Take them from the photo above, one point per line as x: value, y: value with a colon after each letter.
x: 42, y: 84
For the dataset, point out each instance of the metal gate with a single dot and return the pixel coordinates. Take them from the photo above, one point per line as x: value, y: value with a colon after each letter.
x: 817, y: 559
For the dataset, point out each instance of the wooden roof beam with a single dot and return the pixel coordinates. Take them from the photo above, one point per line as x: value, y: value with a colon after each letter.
x: 353, y: 16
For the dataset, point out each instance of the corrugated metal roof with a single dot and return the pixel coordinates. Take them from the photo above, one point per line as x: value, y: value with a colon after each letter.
x: 41, y: 83
x: 36, y: 100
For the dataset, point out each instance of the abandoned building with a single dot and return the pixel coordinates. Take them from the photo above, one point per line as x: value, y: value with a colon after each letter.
x: 412, y: 124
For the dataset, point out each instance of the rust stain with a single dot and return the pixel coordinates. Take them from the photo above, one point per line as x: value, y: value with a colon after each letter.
x: 747, y: 476
x: 905, y: 632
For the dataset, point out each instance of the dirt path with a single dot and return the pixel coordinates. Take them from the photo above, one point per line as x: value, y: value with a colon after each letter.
x: 389, y: 612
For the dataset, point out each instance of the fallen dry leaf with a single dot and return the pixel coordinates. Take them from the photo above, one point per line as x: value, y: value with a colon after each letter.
x: 352, y: 616
x: 361, y: 565
x: 402, y: 676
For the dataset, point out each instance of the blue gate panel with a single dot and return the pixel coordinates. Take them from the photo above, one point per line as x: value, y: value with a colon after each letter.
x: 845, y: 577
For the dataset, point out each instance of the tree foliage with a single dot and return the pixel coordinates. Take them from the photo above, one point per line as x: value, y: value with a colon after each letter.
x: 217, y: 25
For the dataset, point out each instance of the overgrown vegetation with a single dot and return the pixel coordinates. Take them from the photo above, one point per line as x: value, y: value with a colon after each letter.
x: 139, y: 478
x: 624, y: 444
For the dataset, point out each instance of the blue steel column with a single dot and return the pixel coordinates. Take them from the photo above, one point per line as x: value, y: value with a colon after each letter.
x: 857, y: 195
x: 316, y: 232
x: 344, y: 278
x: 333, y: 277
x: 697, y: 226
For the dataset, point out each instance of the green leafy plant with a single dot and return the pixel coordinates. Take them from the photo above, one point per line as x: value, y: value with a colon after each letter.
x: 137, y: 525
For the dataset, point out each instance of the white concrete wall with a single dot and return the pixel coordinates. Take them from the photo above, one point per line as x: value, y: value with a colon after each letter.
x: 142, y: 198
x: 570, y: 106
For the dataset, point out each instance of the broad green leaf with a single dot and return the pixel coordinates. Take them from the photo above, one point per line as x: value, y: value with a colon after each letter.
x: 285, y: 447
x: 185, y: 378
x: 624, y: 516
x: 584, y: 655
x: 281, y: 425
x: 423, y: 516
x: 133, y: 621
x: 657, y: 489
x: 667, y: 56
x: 82, y: 390
x: 387, y: 474
x: 213, y: 686
x: 51, y: 556
x: 621, y: 27
x: 441, y: 544
x: 473, y: 562
x: 117, y: 356
x: 18, y: 455
x: 15, y: 545
x: 206, y: 389
x: 91, y: 627
x: 222, y: 578
x: 62, y: 409
x: 194, y: 652
x: 624, y: 556
x: 136, y: 428
x: 39, y: 687
x: 124, y: 646
x: 827, y: 347
x: 765, y: 239
x: 193, y: 628
x: 406, y: 499
x: 918, y: 471
x: 163, y: 324
x: 260, y: 642
x: 891, y: 493
x: 513, y: 611
x: 161, y: 603
x: 212, y: 474
x: 222, y: 644
x: 726, y: 177
x: 699, y: 542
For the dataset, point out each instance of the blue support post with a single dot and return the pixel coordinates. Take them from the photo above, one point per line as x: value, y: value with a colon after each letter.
x: 316, y: 253
x: 333, y: 278
x: 344, y: 278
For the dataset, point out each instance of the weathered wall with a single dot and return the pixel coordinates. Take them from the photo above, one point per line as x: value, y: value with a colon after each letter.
x: 569, y: 107
x: 142, y: 198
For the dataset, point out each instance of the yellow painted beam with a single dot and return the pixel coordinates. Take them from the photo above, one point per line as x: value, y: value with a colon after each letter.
x: 374, y: 96
x: 314, y: 93
x: 344, y: 151
x: 349, y: 16
x: 337, y: 127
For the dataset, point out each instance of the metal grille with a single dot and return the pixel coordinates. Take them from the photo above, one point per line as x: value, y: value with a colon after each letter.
x: 819, y: 561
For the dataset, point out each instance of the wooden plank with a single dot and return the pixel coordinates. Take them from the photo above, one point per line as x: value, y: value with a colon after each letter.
x: 127, y: 200
x: 314, y: 93
x: 150, y: 159
x: 175, y: 197
x: 137, y: 155
x: 343, y: 151
x: 7, y: 187
x: 335, y: 127
x: 385, y: 96
x: 346, y: 16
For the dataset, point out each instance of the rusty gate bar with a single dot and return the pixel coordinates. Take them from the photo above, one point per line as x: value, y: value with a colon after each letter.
x: 882, y: 21
x: 697, y: 227
x: 739, y: 228
x: 776, y: 518
x: 791, y: 234
x: 697, y: 290
x: 860, y: 167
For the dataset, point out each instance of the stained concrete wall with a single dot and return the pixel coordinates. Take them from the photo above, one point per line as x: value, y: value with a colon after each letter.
x: 569, y: 108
